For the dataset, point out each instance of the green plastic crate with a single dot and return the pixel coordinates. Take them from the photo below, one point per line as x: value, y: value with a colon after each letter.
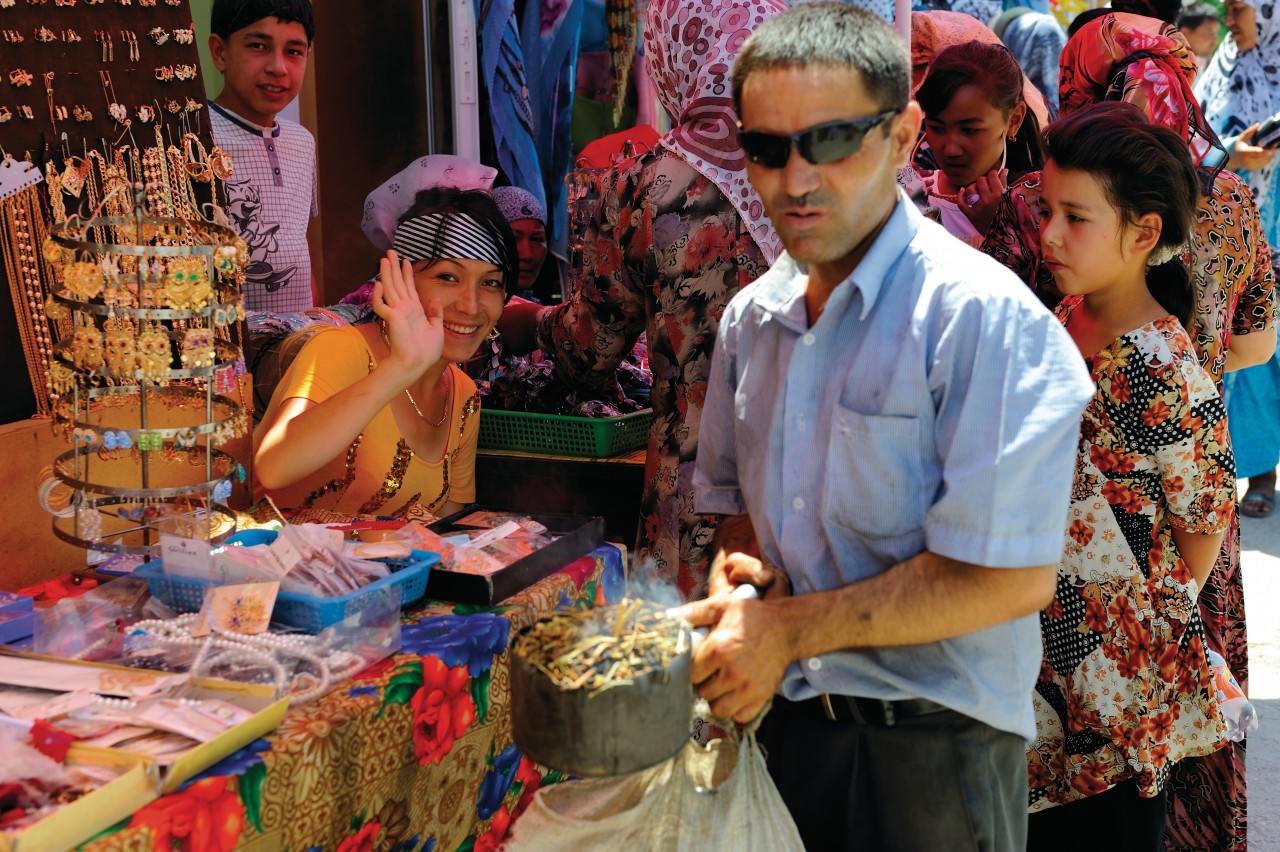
x: 561, y: 435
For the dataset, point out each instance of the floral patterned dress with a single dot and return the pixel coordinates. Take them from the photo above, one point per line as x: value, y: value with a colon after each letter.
x: 1124, y: 690
x: 664, y: 256
x: 1231, y: 271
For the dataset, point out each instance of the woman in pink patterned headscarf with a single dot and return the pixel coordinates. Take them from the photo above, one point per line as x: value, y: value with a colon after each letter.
x: 678, y: 232
x: 690, y: 46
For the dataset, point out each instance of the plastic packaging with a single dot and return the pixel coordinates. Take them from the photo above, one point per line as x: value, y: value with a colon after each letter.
x: 91, y: 627
x: 1237, y: 710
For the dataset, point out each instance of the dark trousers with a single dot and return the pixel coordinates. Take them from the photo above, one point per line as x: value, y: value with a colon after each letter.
x: 1118, y: 820
x: 918, y: 778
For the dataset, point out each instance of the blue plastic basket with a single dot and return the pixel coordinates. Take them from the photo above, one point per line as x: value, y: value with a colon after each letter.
x: 304, y: 612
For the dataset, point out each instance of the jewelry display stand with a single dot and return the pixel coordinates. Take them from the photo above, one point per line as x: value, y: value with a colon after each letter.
x: 82, y: 81
x: 143, y: 388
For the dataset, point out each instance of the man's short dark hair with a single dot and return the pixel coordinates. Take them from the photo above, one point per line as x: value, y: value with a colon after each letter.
x: 835, y: 35
x: 230, y: 16
x: 1195, y: 15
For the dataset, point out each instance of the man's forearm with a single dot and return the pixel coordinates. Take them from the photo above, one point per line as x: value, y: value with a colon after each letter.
x: 925, y: 599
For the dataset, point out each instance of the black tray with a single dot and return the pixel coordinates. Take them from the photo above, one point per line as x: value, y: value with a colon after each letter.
x: 577, y: 535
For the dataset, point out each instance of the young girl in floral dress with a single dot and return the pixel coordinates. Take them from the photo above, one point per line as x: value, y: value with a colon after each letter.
x: 1124, y: 690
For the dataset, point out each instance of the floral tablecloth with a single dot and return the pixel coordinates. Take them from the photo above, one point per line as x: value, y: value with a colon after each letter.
x: 413, y: 755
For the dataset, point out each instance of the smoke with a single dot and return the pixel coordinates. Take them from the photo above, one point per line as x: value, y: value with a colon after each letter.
x: 649, y: 585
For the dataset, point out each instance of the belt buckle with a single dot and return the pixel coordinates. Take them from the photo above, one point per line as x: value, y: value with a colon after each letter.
x: 826, y: 706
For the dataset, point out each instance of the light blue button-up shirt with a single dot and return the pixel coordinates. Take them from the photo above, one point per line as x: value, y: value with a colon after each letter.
x: 935, y: 404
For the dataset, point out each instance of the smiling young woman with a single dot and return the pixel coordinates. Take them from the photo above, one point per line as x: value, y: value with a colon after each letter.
x: 376, y: 417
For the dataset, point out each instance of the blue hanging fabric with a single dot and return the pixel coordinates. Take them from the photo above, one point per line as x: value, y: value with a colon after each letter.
x: 503, y: 70
x: 549, y: 33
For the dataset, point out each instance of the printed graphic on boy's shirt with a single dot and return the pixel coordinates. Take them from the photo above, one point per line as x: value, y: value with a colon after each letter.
x: 244, y: 206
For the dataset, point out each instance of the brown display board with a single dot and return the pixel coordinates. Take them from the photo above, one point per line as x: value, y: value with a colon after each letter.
x: 63, y: 64
x: 98, y: 53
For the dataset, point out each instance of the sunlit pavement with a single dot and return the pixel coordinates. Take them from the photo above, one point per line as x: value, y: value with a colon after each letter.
x: 1261, y: 540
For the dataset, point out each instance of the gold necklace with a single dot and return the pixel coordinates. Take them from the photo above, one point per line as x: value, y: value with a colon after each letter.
x: 444, y: 411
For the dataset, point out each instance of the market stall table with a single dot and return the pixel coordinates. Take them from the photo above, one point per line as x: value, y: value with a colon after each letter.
x: 413, y: 754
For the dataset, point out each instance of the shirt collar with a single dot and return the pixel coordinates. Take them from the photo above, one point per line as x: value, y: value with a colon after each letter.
x: 246, y: 124
x: 784, y: 299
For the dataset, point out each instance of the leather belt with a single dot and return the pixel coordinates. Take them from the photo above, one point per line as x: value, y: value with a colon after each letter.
x: 874, y: 711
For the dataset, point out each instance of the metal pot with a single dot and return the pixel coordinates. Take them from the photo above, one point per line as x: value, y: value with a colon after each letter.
x: 618, y: 731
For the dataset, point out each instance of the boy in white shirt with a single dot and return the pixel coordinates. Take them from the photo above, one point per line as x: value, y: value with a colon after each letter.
x: 262, y: 48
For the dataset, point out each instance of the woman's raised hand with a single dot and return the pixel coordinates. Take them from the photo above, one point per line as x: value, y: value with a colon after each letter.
x: 415, y: 331
x: 985, y: 195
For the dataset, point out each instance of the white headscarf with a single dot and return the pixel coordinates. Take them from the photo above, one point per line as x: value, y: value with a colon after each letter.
x: 1238, y: 89
x: 385, y: 205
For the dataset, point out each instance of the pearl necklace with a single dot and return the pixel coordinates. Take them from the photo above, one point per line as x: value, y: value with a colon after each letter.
x: 331, y: 666
x: 448, y: 397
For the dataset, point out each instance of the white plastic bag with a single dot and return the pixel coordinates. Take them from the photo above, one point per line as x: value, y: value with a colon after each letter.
x: 715, y: 797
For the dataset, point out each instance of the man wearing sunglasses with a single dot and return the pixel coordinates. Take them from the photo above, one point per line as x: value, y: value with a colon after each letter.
x: 890, y: 434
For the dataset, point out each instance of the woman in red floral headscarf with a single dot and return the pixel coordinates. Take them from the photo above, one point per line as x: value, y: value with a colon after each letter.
x: 679, y: 230
x: 1147, y: 62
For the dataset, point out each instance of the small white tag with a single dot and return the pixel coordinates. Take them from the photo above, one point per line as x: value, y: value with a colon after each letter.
x: 283, y: 550
x: 185, y: 557
x: 496, y: 534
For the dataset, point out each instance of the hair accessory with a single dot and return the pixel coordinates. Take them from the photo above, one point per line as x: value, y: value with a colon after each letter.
x: 385, y: 205
x: 20, y: 77
x: 154, y: 355
x: 61, y: 379
x: 116, y: 440
x: 145, y: 114
x: 186, y: 36
x: 13, y: 36
x: 159, y: 35
x: 185, y: 72
x: 45, y: 34
x: 83, y: 279
x: 150, y: 441
x: 84, y: 437
x: 1163, y: 254
x: 173, y: 106
x: 82, y: 113
x: 187, y: 284
x: 197, y: 348
x: 122, y: 348
x: 89, y: 522
x: 192, y: 105
x: 220, y: 163
x: 453, y: 235
x: 186, y: 438
x: 5, y: 114
x: 26, y: 112
x: 70, y: 36
x: 164, y: 73
x: 86, y: 344
x: 222, y: 491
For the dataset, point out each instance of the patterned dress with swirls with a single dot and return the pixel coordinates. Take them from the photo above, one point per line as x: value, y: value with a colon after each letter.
x: 1124, y: 690
x: 664, y: 256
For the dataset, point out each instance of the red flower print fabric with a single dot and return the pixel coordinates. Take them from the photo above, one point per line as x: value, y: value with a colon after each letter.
x: 1124, y: 690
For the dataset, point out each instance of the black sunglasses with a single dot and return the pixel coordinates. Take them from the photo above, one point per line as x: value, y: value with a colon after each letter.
x: 822, y: 143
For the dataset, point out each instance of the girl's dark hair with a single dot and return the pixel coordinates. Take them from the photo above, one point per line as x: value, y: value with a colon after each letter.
x: 479, y: 206
x: 992, y: 68
x: 1143, y: 168
x: 231, y: 16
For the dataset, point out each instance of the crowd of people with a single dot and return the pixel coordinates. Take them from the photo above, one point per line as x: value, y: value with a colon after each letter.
x: 958, y: 350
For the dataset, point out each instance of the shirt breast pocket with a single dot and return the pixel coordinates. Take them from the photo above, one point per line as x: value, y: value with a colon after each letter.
x: 875, y: 478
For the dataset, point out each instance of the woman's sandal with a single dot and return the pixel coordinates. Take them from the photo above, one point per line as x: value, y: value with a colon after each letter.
x: 1258, y: 504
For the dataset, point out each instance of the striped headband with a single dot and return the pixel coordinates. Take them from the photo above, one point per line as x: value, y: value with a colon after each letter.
x: 458, y: 236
